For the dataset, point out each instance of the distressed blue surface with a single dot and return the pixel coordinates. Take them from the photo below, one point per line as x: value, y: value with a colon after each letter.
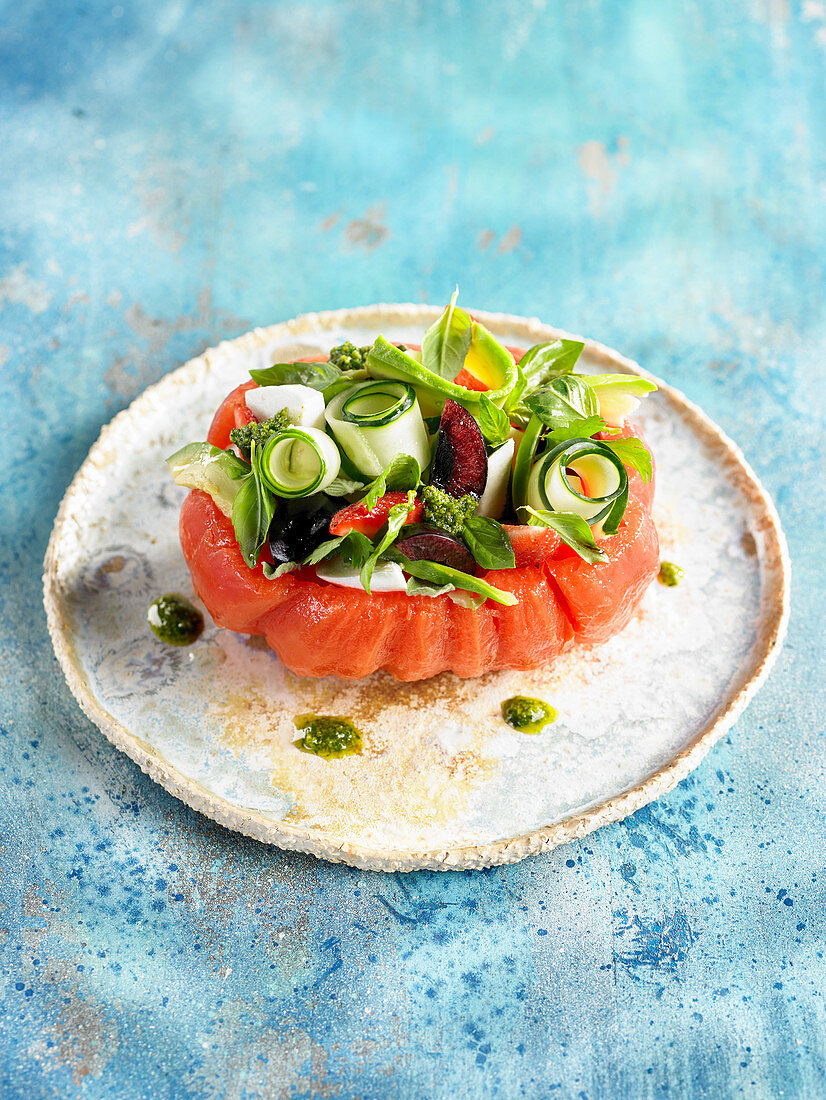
x: 651, y: 174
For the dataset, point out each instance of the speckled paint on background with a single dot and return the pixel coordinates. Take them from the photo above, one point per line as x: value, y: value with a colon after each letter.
x: 173, y: 174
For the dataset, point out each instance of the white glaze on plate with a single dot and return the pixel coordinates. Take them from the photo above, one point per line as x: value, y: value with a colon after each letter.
x: 442, y: 781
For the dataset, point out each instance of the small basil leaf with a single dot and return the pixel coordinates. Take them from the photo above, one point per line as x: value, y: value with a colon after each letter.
x: 396, y: 519
x: 324, y: 550
x: 575, y: 390
x: 343, y: 486
x: 400, y: 475
x: 446, y: 342
x: 634, y: 453
x: 489, y: 543
x: 356, y: 549
x: 315, y: 375
x: 577, y: 429
x: 515, y: 396
x: 563, y: 400
x: 572, y: 529
x: 493, y: 422
x: 544, y: 362
x: 252, y: 512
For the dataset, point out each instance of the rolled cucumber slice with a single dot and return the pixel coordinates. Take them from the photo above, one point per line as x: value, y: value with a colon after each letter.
x: 304, y: 405
x: 375, y: 421
x: 581, y: 476
x: 299, y: 461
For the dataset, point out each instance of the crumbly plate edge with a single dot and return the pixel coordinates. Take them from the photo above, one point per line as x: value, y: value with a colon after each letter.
x: 773, y: 623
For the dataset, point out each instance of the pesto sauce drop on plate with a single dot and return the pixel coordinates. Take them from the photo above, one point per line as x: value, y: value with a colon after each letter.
x: 174, y: 620
x: 527, y: 715
x: 329, y: 736
x: 670, y: 574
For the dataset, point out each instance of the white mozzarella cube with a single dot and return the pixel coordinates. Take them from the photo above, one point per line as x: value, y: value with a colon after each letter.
x: 387, y: 576
x: 304, y: 404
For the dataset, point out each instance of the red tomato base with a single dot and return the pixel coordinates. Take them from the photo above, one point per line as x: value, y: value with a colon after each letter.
x: 320, y: 629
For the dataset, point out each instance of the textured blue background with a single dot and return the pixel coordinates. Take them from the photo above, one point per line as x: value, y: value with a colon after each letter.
x: 651, y: 174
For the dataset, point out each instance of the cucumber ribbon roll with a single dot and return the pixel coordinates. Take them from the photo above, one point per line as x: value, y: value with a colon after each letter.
x: 299, y: 461
x: 581, y: 476
x: 375, y: 421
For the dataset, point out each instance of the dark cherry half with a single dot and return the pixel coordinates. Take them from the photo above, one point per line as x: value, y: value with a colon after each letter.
x: 460, y: 463
x: 424, y: 542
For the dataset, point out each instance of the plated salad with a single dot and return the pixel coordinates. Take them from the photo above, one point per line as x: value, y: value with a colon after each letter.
x: 458, y: 505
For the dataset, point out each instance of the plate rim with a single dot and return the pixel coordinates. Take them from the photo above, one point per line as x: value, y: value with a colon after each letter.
x: 775, y: 609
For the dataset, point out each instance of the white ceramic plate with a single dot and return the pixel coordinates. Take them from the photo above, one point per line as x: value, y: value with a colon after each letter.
x: 443, y: 782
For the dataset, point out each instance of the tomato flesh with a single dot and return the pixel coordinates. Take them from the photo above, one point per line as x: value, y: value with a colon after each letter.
x: 369, y: 521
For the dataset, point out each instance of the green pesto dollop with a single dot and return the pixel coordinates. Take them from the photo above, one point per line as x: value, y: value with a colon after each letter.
x: 328, y: 735
x: 670, y: 574
x: 174, y: 620
x: 446, y: 511
x: 527, y: 715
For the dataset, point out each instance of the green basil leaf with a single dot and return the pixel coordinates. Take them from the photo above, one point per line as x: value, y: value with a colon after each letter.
x: 438, y: 574
x: 343, y: 486
x: 577, y: 429
x: 572, y: 529
x: 324, y: 550
x: 543, y: 362
x: 489, y: 543
x: 252, y: 512
x: 515, y: 396
x: 446, y: 343
x: 396, y: 519
x: 563, y: 400
x: 432, y: 424
x: 493, y: 422
x: 356, y: 549
x: 574, y: 389
x: 634, y: 453
x: 400, y: 475
x: 471, y: 600
x: 315, y: 375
